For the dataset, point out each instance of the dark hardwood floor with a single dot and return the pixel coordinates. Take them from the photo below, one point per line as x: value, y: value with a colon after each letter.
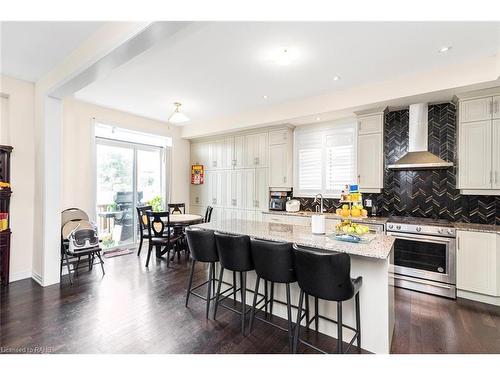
x: 135, y: 310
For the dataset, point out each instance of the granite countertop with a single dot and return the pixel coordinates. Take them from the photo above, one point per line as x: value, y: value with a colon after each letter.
x: 329, y: 215
x: 472, y: 227
x: 379, y: 247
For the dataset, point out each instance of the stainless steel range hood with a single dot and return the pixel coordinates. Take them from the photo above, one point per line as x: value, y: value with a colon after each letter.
x: 418, y: 157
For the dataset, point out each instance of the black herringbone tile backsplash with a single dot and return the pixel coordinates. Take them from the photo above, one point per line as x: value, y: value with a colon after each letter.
x: 425, y: 193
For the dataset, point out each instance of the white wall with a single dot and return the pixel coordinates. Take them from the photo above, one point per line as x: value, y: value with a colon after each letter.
x: 78, y: 186
x: 20, y: 120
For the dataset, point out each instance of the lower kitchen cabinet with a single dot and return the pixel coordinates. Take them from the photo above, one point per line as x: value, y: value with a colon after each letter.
x: 286, y: 219
x: 478, y: 262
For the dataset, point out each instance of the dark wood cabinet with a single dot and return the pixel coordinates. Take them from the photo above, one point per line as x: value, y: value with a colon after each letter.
x: 5, y: 193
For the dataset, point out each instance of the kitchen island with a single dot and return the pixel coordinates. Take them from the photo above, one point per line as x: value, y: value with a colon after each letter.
x: 369, y: 260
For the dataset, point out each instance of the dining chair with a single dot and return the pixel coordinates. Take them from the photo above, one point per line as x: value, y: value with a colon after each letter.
x: 160, y: 234
x: 176, y: 208
x: 208, y: 214
x: 143, y: 224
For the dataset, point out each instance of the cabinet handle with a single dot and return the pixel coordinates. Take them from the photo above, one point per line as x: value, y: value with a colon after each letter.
x: 197, y: 200
x: 490, y: 104
x: 233, y: 202
x: 257, y: 161
x: 214, y: 163
x: 359, y: 178
x: 284, y: 179
x: 234, y: 162
x: 496, y: 106
x: 491, y: 177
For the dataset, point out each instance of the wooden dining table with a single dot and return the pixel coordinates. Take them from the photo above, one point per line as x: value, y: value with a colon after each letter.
x: 179, y: 222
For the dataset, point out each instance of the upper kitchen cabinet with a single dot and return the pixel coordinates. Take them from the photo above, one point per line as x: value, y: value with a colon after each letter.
x: 239, y: 151
x: 474, y: 145
x: 280, y: 158
x: 496, y: 107
x: 370, y: 151
x: 200, y: 153
x: 479, y: 143
x: 216, y: 155
x: 256, y: 150
x: 476, y: 109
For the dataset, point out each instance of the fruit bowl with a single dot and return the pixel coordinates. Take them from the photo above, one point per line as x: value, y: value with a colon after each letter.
x: 350, y: 228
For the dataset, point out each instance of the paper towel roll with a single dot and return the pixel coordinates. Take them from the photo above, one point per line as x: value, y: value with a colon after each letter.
x: 318, y: 224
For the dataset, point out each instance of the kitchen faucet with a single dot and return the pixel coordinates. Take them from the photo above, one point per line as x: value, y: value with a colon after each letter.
x: 321, y: 201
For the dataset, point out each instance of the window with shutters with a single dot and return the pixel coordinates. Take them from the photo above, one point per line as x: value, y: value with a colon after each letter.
x: 324, y: 159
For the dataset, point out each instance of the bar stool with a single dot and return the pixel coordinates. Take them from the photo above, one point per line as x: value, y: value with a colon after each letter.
x: 234, y: 255
x: 203, y: 249
x: 326, y: 275
x: 273, y: 263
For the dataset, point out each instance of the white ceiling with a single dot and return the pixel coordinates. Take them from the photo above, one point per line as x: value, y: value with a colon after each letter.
x: 31, y: 49
x: 221, y: 69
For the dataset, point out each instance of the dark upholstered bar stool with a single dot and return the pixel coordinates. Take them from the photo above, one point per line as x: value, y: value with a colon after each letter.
x: 273, y: 262
x: 203, y: 249
x: 326, y: 275
x: 234, y: 255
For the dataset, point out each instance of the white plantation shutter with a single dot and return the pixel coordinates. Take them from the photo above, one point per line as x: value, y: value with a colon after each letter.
x: 325, y: 160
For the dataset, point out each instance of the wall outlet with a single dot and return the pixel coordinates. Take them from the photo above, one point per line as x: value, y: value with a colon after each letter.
x: 368, y: 202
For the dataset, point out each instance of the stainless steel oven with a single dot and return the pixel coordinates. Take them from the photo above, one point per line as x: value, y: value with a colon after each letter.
x: 424, y: 257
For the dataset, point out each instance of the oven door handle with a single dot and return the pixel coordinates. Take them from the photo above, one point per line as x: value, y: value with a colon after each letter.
x: 421, y: 237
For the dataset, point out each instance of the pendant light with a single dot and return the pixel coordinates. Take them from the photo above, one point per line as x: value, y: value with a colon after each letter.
x: 177, y: 116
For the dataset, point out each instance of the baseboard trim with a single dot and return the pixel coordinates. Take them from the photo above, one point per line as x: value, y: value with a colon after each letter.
x: 21, y: 275
x: 38, y: 278
x: 491, y: 300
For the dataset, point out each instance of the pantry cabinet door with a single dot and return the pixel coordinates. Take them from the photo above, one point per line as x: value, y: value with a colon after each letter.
x: 248, y: 189
x: 496, y: 107
x: 239, y: 152
x: 496, y: 154
x: 261, y: 189
x: 477, y: 262
x: 235, y: 184
x: 278, y: 166
x: 474, y: 155
x: 228, y: 153
x: 370, y: 161
x: 216, y: 154
x: 476, y: 109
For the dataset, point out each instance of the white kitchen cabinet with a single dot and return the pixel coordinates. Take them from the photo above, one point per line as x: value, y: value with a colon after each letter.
x: 200, y: 153
x: 495, y: 184
x: 216, y: 188
x: 475, y: 156
x: 370, y: 162
x: 261, y: 189
x: 256, y: 150
x: 235, y: 187
x: 279, y: 137
x: 496, y: 107
x: 228, y: 157
x: 476, y: 109
x: 478, y: 262
x: 248, y: 201
x: 286, y: 219
x: 370, y: 151
x: 239, y: 152
x: 197, y: 210
x: 216, y: 152
x: 279, y: 161
x: 196, y: 195
x: 369, y: 124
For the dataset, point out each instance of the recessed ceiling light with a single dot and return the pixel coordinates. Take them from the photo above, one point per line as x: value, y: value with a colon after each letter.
x: 336, y: 78
x: 444, y: 49
x: 318, y: 118
x: 284, y: 56
x: 265, y: 97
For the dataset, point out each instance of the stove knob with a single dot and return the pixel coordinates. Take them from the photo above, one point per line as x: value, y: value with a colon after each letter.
x: 398, y: 227
x: 451, y: 231
x: 419, y: 229
x: 440, y: 231
x: 390, y: 226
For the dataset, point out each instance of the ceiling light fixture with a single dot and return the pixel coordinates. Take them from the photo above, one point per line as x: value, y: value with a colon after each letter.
x: 444, y: 49
x: 265, y: 97
x: 177, y: 116
x: 284, y: 56
x: 336, y: 78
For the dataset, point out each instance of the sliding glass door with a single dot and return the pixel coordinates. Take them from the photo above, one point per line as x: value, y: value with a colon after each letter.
x: 128, y: 175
